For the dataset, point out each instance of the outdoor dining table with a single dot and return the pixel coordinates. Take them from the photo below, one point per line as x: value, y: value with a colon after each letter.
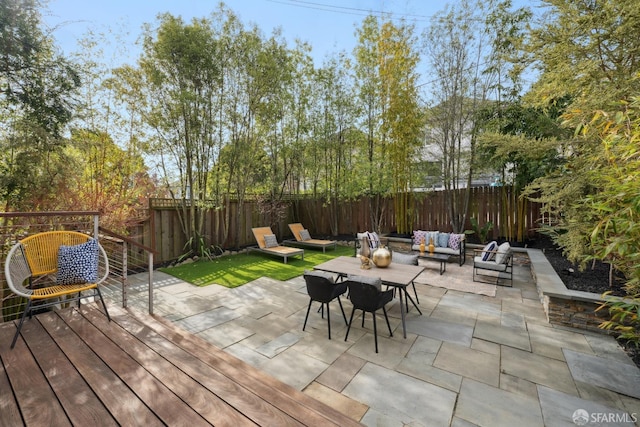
x: 395, y: 275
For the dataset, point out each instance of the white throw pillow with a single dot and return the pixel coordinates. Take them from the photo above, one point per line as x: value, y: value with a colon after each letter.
x: 503, y: 251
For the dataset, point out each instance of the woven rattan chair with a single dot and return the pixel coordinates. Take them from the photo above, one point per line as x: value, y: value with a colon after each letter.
x: 51, y: 268
x: 368, y: 298
x: 322, y: 288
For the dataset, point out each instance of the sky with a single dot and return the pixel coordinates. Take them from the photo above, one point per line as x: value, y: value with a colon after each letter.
x: 327, y: 25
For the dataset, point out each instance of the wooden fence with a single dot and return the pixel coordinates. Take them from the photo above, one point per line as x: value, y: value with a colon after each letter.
x: 514, y: 219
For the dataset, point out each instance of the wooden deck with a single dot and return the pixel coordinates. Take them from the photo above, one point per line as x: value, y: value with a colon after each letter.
x: 73, y: 367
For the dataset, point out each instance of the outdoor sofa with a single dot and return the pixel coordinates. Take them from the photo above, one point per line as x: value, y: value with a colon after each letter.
x: 445, y: 243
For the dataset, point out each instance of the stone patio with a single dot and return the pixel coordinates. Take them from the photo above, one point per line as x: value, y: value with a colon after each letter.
x: 468, y: 360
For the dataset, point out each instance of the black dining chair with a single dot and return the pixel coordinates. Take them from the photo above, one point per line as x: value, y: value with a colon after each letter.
x: 322, y: 288
x: 369, y: 298
x: 407, y: 259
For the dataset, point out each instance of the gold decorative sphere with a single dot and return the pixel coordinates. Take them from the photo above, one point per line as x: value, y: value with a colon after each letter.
x: 381, y: 257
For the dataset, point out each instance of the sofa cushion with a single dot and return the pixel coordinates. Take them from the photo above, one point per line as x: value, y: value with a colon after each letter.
x: 488, y: 265
x: 503, y: 252
x: 443, y: 240
x: 323, y: 274
x: 438, y: 250
x: 447, y: 251
x: 455, y: 240
x: 375, y: 281
x: 487, y: 251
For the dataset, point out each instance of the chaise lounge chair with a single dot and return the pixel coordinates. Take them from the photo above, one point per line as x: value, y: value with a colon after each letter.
x: 268, y: 244
x: 302, y: 238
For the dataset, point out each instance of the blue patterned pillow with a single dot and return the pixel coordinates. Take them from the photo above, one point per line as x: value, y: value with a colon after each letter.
x: 78, y: 263
x: 443, y: 240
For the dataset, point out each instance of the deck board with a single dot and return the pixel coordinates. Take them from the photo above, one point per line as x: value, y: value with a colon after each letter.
x: 301, y: 406
x: 65, y: 381
x: 202, y: 400
x: 73, y: 367
x: 30, y: 386
x: 124, y: 405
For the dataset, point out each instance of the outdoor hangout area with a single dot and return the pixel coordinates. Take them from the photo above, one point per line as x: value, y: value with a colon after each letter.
x: 288, y: 213
x: 324, y: 339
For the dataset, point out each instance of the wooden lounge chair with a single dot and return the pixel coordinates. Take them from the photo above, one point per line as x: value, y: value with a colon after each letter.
x: 308, y: 242
x: 269, y: 245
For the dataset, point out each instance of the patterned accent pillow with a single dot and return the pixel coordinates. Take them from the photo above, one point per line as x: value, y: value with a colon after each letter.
x: 304, y: 234
x: 374, y: 240
x: 443, y: 240
x: 432, y: 235
x: 270, y: 241
x: 418, y: 235
x: 78, y: 263
x: 487, y: 255
x: 454, y: 241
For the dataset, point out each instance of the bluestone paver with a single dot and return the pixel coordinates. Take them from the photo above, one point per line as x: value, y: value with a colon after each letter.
x: 610, y: 374
x: 468, y: 360
x: 401, y: 397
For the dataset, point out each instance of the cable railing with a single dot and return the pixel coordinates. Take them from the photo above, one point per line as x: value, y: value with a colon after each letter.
x: 128, y: 259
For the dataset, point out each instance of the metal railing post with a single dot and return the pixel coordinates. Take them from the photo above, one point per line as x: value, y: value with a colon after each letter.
x: 150, y: 282
x: 96, y: 226
x: 125, y: 250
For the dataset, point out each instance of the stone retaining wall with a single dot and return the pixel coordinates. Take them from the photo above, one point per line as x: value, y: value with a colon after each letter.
x: 565, y: 307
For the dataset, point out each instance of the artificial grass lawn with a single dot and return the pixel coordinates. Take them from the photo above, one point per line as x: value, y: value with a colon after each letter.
x: 236, y: 270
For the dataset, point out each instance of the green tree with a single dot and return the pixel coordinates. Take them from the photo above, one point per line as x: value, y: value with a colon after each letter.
x: 181, y: 78
x: 95, y: 186
x: 616, y: 235
x: 458, y: 51
x: 330, y: 152
x: 368, y: 86
x: 586, y: 59
x: 402, y: 118
x: 37, y: 88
